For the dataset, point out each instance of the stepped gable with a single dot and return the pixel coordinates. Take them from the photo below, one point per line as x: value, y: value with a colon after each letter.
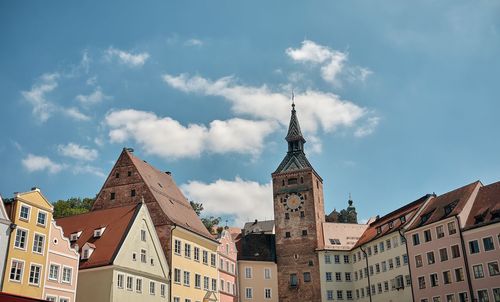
x: 169, y: 197
x: 408, y: 212
x: 445, y: 205
x: 486, y: 208
x: 117, y: 221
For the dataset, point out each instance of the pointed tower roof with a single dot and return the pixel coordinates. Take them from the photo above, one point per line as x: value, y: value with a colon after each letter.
x: 294, y: 132
x: 295, y: 158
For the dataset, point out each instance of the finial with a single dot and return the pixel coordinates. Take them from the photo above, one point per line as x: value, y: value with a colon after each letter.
x: 293, y: 101
x: 142, y: 199
x: 350, y: 200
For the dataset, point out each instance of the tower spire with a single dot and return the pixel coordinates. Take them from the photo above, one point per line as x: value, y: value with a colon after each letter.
x: 294, y: 134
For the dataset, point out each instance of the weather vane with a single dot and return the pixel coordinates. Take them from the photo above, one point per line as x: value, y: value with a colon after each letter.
x: 293, y: 100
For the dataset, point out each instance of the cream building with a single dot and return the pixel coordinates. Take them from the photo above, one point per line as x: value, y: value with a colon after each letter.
x: 257, y: 269
x: 5, y: 231
x: 121, y: 255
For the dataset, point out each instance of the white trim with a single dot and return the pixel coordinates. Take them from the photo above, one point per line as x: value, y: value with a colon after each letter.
x: 51, y: 296
x: 44, y: 243
x: 59, y: 273
x: 487, y: 265
x: 61, y: 232
x: 68, y: 298
x: 61, y: 289
x: 25, y: 241
x: 21, y: 204
x: 46, y: 218
x: 22, y: 271
x: 71, y: 275
x: 20, y: 198
x: 40, y: 277
x: 492, y: 240
x: 473, y: 273
x: 478, y: 246
x: 63, y: 255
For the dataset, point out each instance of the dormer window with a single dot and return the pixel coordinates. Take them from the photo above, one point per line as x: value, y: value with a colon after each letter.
x: 449, y: 207
x: 379, y: 230
x: 87, y: 250
x: 98, y: 232
x: 75, y: 236
x: 402, y: 219
x: 391, y: 224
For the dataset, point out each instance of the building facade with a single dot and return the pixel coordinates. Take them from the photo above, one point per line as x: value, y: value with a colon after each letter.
x: 228, y: 269
x: 61, y: 277
x: 121, y: 258
x: 298, y: 215
x: 5, y: 231
x: 25, y: 270
x: 176, y: 224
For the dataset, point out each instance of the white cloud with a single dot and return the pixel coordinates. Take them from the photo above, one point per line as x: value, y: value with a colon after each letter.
x: 75, y: 114
x: 316, y: 109
x: 35, y: 163
x: 194, y: 42
x: 42, y: 108
x: 368, y: 128
x: 166, y: 137
x: 78, y: 152
x: 95, y: 97
x: 127, y: 58
x: 87, y: 169
x: 243, y: 199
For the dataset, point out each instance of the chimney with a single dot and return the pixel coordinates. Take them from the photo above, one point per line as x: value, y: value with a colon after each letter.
x: 168, y: 172
x: 35, y: 189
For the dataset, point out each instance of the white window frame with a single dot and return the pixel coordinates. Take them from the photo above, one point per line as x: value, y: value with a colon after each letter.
x: 152, y: 288
x: 70, y: 275
x: 58, y: 271
x: 25, y: 248
x: 29, y: 212
x: 270, y: 293
x: 43, y: 243
x: 267, y: 276
x: 121, y: 286
x: 46, y: 218
x: 40, y: 274
x: 47, y: 297
x: 131, y: 278
x: 22, y: 270
x: 138, y: 285
x: 248, y: 269
x: 248, y: 292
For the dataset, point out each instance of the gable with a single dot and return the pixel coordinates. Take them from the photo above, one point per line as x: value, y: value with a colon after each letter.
x: 35, y: 198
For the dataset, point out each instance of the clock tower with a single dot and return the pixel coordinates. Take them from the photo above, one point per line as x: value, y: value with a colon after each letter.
x: 298, y: 216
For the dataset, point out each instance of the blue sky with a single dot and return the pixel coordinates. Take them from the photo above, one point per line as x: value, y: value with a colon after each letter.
x: 396, y: 99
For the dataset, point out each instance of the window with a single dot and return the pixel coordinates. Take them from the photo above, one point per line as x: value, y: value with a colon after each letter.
x: 436, y: 299
x: 455, y: 251
x: 51, y: 298
x: 112, y: 196
x: 496, y: 294
x: 474, y: 247
x: 328, y: 259
x: 347, y: 277
x: 430, y: 258
x: 186, y: 278
x: 222, y: 285
x: 42, y: 218
x: 336, y: 259
x: 206, y: 282
x: 267, y: 293
x: 214, y: 285
x: 375, y: 249
x: 177, y: 275
x: 138, y: 285
x: 386, y: 286
x: 248, y: 272
x: 329, y: 295
x: 450, y: 298
x: 119, y: 282
x: 421, y: 282
x: 197, y: 280
x: 187, y: 250
x: 388, y: 244
x: 196, y: 253
x: 493, y: 269
x: 66, y: 274
x: 384, y: 266
x: 21, y: 236
x: 294, y: 282
x: 177, y: 247
x: 162, y: 289
x: 369, y: 251
x: 371, y: 270
x: 267, y: 273
x: 427, y: 235
x: 143, y: 256
x: 249, y: 293
x: 346, y: 258
x: 38, y: 242
x: 130, y: 282
x: 377, y: 268
x: 117, y: 175
x: 132, y: 193
x: 340, y: 295
x: 391, y: 264
x: 151, y: 287
x: 434, y: 280
x: 381, y: 246
x: 338, y: 276
x: 54, y: 272
x: 16, y: 270
x: 408, y: 280
x: 478, y: 271
x: 61, y: 299
x: 443, y: 254
x: 205, y: 257
x: 348, y: 293
x: 379, y: 287
x: 287, y: 235
x: 488, y: 244
x: 482, y: 295
x: 177, y: 299
x: 304, y: 232
x: 287, y: 216
x: 416, y: 239
x: 462, y: 297
x: 129, y: 173
x: 459, y: 274
x: 302, y: 214
x: 329, y: 276
x: 440, y: 231
x: 24, y: 214
x: 307, y: 277
x: 143, y: 235
x: 446, y: 277
x: 398, y: 261
x: 451, y: 228
x: 405, y: 259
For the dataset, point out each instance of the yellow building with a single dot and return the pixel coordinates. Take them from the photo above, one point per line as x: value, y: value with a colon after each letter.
x: 25, y: 269
x: 194, y: 267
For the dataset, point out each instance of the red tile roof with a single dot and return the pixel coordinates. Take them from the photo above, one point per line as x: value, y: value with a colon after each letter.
x: 117, y: 221
x: 486, y: 208
x: 408, y: 211
x: 445, y: 205
x: 169, y: 197
x: 5, y: 297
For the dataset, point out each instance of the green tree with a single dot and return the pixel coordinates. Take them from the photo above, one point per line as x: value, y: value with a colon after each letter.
x: 72, y: 206
x: 197, y: 207
x: 211, y: 222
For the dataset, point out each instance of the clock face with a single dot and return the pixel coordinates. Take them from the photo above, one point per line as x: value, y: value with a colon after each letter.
x: 293, y: 202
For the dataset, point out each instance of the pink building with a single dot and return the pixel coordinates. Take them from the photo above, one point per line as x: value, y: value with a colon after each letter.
x: 228, y: 281
x: 482, y: 243
x: 435, y: 251
x: 62, y: 267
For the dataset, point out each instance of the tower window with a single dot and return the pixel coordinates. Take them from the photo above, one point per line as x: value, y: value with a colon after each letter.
x: 304, y: 232
x: 129, y: 173
x: 294, y: 282
x: 307, y: 277
x: 112, y: 195
x: 310, y: 263
x: 287, y: 216
x: 302, y: 214
x: 301, y: 180
x: 317, y: 184
x: 287, y: 235
x: 132, y: 192
x: 117, y: 175
x: 292, y: 181
x: 283, y: 182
